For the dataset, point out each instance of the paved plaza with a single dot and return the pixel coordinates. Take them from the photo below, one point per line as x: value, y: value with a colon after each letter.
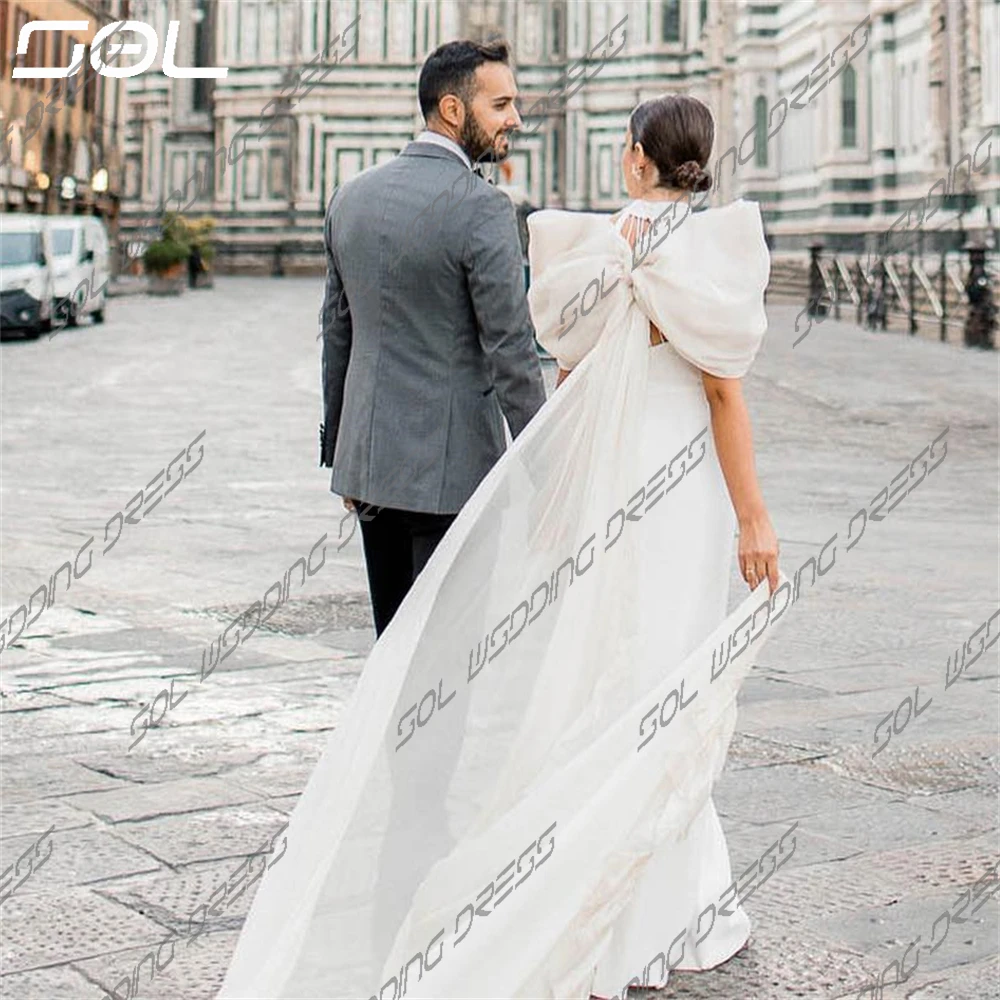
x: 182, y: 438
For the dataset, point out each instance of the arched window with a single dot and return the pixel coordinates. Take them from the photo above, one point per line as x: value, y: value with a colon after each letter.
x: 760, y: 124
x: 671, y: 20
x: 66, y: 164
x: 556, y: 144
x: 557, y: 30
x: 849, y: 109
x: 50, y: 164
x: 202, y: 54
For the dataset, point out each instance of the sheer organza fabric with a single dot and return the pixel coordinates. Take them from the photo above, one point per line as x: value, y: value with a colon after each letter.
x: 483, y: 813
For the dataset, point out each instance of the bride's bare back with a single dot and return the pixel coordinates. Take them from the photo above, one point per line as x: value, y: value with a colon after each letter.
x: 632, y: 228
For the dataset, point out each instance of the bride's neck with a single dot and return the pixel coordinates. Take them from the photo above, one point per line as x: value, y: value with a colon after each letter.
x: 663, y: 194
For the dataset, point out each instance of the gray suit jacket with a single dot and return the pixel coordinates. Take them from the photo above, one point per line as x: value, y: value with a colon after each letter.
x: 422, y: 320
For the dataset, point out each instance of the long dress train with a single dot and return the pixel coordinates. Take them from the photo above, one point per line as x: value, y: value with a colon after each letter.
x: 535, y: 735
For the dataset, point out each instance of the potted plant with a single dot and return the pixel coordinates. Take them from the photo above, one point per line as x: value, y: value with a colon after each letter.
x: 165, y: 258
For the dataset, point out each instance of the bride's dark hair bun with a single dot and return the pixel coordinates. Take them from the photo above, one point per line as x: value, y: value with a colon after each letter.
x: 690, y: 176
x: 677, y: 132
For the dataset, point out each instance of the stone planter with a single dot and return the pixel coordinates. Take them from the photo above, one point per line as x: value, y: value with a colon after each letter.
x: 168, y: 282
x: 202, y: 279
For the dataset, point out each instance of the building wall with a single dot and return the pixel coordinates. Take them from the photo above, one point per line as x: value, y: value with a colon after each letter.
x: 60, y: 132
x: 926, y: 93
x: 923, y: 95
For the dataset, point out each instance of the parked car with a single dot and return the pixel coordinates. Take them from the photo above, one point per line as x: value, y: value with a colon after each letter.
x: 26, y: 275
x: 82, y: 259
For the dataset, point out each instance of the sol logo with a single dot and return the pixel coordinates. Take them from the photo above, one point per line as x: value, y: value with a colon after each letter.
x: 115, y: 49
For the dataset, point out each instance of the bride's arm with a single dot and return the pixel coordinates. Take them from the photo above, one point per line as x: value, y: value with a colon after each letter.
x: 758, y: 549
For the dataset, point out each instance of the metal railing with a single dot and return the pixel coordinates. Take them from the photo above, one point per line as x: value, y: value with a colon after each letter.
x: 952, y: 290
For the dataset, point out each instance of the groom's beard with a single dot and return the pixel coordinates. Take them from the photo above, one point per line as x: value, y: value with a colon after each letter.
x: 479, y: 146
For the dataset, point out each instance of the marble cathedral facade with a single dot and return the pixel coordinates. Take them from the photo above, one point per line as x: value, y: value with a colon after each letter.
x: 909, y: 87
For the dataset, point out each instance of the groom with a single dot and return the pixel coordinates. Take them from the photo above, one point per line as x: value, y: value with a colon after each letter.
x: 427, y: 340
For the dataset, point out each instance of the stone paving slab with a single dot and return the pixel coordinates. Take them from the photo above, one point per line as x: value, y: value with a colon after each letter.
x: 284, y: 803
x: 967, y: 802
x: 220, y: 735
x: 746, y: 750
x: 164, y: 798
x: 195, y: 969
x: 35, y: 816
x: 759, y: 687
x: 79, y: 857
x: 27, y: 701
x: 857, y: 678
x: 787, y: 791
x: 30, y: 777
x: 881, y: 933
x: 896, y: 873
x: 920, y: 767
x: 225, y: 832
x: 768, y: 966
x: 59, y: 722
x: 191, y: 761
x: 324, y: 670
x: 812, y: 848
x: 76, y: 745
x: 276, y: 775
x: 53, y: 928
x: 892, y: 824
x: 175, y: 898
x: 61, y: 982
x: 975, y: 979
x: 196, y: 703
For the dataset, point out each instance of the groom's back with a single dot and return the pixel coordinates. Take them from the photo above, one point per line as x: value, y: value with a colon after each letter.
x: 429, y: 262
x: 398, y: 233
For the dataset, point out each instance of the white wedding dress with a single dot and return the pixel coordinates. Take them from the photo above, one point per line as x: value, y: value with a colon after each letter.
x: 494, y: 815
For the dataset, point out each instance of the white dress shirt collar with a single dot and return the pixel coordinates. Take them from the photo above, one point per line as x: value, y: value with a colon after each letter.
x: 445, y: 143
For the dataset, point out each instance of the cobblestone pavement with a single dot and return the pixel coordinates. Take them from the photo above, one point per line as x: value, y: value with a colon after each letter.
x: 122, y: 848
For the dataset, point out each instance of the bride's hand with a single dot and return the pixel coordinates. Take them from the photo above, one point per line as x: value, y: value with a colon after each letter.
x: 758, y: 552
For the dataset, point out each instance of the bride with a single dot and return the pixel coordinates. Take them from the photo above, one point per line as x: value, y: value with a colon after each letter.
x: 517, y: 800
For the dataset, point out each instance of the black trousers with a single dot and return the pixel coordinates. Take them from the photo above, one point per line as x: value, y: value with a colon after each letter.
x: 397, y: 545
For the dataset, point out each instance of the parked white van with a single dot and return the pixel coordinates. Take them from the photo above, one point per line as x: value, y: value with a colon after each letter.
x: 81, y: 267
x: 26, y: 275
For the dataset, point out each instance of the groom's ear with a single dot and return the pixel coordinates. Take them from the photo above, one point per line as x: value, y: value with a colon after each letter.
x: 450, y: 110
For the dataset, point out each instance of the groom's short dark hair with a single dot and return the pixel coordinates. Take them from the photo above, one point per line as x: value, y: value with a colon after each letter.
x: 451, y: 69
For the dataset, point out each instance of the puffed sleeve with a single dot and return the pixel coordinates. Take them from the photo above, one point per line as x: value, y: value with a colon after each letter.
x: 576, y: 264
x: 703, y: 286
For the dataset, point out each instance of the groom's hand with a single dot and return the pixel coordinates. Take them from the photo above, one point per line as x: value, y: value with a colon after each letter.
x: 349, y: 504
